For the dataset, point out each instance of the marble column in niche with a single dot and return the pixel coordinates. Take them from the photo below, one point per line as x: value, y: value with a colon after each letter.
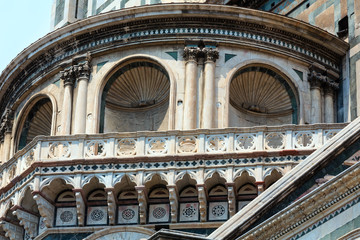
x: 314, y: 79
x: 83, y: 75
x: 209, y: 87
x: 191, y: 55
x: 68, y: 76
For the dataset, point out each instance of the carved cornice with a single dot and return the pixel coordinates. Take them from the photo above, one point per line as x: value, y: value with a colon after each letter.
x: 112, y: 35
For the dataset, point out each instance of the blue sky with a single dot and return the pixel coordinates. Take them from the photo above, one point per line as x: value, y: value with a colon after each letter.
x: 22, y: 22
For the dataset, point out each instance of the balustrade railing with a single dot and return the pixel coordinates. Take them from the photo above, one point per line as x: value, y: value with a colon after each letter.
x: 162, y: 143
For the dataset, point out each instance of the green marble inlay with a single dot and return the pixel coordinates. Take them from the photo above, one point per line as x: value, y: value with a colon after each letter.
x: 300, y: 74
x: 229, y: 56
x: 100, y: 65
x: 174, y: 55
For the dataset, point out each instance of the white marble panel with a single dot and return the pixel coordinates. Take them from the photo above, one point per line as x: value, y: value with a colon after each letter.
x: 65, y: 216
x: 159, y: 213
x: 242, y: 204
x: 97, y: 215
x: 128, y: 214
x: 189, y: 212
x: 218, y: 211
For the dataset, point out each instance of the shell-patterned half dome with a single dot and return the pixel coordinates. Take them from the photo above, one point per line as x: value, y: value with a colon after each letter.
x: 137, y: 85
x: 258, y: 89
x: 38, y: 122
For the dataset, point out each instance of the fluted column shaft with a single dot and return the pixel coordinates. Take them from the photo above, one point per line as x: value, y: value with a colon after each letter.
x: 68, y: 77
x: 209, y: 88
x: 329, y: 105
x: 83, y: 73
x: 190, y: 101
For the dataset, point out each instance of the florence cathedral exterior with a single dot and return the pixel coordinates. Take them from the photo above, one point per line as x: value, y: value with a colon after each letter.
x: 158, y: 119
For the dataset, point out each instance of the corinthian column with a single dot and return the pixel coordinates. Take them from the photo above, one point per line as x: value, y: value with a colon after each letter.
x: 190, y: 102
x: 5, y: 130
x: 329, y: 104
x: 69, y: 78
x: 83, y: 74
x: 209, y: 87
x: 315, y: 92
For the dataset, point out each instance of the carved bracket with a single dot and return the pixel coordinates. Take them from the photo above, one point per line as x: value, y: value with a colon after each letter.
x: 111, y: 207
x: 13, y: 232
x: 46, y: 210
x: 28, y: 221
x: 80, y: 208
x: 231, y: 200
x: 173, y: 198
x: 142, y: 199
x: 202, y: 202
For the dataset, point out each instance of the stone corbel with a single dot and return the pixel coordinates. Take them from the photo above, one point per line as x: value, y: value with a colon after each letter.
x: 111, y: 201
x: 80, y: 207
x: 202, y: 196
x: 28, y: 221
x: 12, y: 231
x: 46, y: 209
x: 142, y: 199
x: 173, y: 198
x: 231, y: 199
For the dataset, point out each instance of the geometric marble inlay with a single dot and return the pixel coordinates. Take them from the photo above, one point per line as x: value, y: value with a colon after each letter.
x: 218, y: 211
x: 97, y: 215
x: 159, y: 213
x: 189, y: 212
x: 66, y: 216
x: 128, y: 214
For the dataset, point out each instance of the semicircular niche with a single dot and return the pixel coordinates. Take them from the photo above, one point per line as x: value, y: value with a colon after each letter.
x: 136, y: 98
x: 38, y: 122
x: 260, y: 96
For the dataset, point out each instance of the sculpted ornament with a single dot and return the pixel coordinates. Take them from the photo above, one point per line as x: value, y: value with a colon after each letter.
x: 192, y: 53
x: 210, y: 54
x: 46, y: 210
x: 29, y: 221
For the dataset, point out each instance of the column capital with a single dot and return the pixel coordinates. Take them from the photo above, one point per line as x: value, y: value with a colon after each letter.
x: 192, y: 53
x: 210, y: 54
x: 68, y: 76
x: 83, y: 70
x: 6, y: 122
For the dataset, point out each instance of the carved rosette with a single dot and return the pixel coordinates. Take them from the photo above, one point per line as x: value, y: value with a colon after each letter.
x: 210, y: 54
x: 192, y: 53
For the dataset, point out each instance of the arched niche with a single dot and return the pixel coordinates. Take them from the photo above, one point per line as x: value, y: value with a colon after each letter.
x: 36, y: 121
x: 136, y: 98
x: 261, y: 95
